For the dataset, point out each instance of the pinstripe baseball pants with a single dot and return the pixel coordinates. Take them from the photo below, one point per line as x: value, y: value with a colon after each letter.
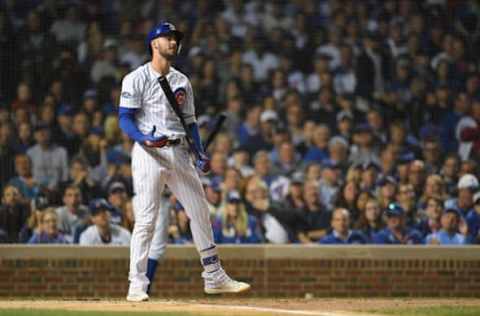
x: 152, y: 169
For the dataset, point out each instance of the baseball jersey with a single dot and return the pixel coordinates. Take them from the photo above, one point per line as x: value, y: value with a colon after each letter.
x: 91, y: 236
x: 141, y: 90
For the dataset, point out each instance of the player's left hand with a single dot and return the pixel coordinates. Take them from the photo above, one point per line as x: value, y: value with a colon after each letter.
x: 203, y: 163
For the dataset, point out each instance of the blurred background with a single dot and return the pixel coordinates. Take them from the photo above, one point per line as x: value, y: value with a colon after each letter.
x: 348, y: 121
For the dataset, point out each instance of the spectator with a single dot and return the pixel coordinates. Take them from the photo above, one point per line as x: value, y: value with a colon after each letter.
x: 406, y: 200
x: 433, y: 211
x: 72, y: 216
x: 328, y: 186
x: 261, y: 60
x: 347, y: 199
x: 70, y: 28
x: 341, y: 233
x: 24, y: 180
x: 7, y: 154
x: 370, y: 222
x: 387, y: 191
x: 34, y: 222
x: 317, y: 218
x: 25, y: 139
x: 64, y: 133
x: 287, y: 162
x: 240, y: 160
x: 102, y: 232
x: 467, y: 186
x: 416, y: 176
x: 213, y: 193
x: 473, y: 220
x: 434, y: 187
x: 233, y: 180
x: 363, y: 151
x: 24, y: 99
x: 104, y: 64
x: 368, y: 180
x: 218, y: 164
x: 467, y: 131
x: 48, y: 233
x: 449, y: 172
x: 13, y: 213
x: 396, y: 231
x: 370, y: 68
x: 258, y: 204
x: 233, y: 225
x: 338, y: 152
x: 117, y: 197
x: 448, y: 234
x: 263, y: 167
x: 49, y: 161
x: 250, y: 126
x: 432, y: 153
x: 78, y: 176
x: 179, y: 230
x: 318, y: 152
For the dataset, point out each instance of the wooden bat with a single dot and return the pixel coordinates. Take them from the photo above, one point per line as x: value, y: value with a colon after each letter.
x: 216, y: 128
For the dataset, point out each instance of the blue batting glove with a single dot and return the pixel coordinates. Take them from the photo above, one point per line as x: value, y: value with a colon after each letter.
x: 155, y: 141
x: 203, y: 163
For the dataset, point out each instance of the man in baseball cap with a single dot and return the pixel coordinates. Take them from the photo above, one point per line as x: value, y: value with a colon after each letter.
x: 102, y: 232
x: 449, y: 233
x: 467, y: 185
x: 396, y: 232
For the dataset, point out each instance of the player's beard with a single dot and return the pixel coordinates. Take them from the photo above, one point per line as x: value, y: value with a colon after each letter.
x: 168, y: 54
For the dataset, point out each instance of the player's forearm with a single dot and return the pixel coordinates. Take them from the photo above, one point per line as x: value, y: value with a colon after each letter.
x: 126, y: 119
x: 197, y: 141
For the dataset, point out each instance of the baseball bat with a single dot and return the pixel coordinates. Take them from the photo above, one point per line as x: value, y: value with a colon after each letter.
x: 215, y: 130
x: 176, y: 108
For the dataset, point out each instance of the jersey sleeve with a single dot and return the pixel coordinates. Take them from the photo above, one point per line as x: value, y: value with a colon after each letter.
x: 189, y: 110
x: 131, y: 92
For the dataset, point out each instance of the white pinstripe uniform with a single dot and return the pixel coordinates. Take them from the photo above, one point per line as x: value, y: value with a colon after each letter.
x: 153, y: 168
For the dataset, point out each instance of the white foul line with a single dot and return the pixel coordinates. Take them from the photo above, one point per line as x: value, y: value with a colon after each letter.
x: 272, y: 310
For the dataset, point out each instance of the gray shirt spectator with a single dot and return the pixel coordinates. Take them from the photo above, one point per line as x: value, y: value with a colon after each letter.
x: 102, y: 231
x: 49, y: 161
x: 118, y: 236
x: 72, y: 216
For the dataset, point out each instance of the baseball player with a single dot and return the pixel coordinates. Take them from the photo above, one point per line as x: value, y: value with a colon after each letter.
x: 161, y: 156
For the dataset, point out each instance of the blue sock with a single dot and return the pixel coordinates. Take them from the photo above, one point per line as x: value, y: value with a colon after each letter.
x: 151, y: 268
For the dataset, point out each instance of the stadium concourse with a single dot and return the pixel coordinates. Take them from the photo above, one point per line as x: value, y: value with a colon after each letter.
x: 348, y: 121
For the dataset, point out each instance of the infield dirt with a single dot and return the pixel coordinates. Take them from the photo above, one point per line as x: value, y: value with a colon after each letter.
x: 220, y: 306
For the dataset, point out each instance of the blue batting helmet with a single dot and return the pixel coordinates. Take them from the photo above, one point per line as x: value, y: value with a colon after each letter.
x: 163, y: 29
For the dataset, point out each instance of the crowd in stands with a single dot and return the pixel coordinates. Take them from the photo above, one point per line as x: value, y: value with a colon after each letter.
x: 348, y: 121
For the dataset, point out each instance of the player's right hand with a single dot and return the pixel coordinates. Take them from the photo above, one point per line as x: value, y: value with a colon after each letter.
x: 155, y: 141
x: 203, y: 163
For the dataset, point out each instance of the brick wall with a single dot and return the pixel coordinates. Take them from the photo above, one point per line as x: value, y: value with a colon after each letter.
x: 290, y: 271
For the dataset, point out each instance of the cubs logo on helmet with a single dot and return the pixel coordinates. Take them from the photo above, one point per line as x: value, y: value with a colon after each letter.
x: 164, y: 29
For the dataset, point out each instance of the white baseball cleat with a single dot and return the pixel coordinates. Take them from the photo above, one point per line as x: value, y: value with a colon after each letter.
x: 229, y: 286
x: 137, y: 296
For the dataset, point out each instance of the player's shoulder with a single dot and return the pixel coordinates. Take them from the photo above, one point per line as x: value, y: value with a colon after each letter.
x: 178, y: 74
x: 138, y: 74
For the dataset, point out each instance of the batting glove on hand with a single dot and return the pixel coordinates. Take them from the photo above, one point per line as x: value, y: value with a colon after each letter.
x: 155, y: 141
x: 203, y: 163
